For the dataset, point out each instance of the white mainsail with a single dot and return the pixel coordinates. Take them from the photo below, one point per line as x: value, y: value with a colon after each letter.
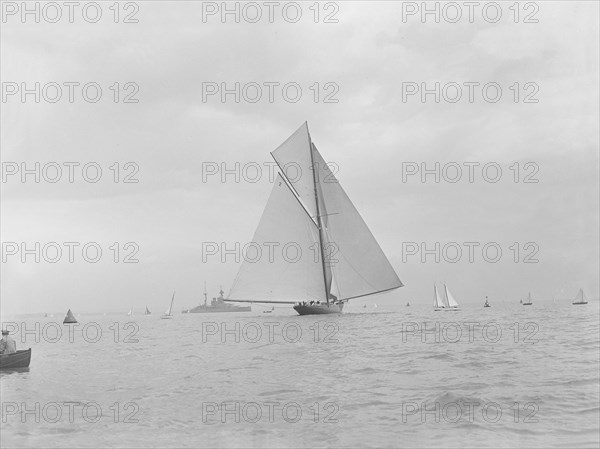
x: 580, y: 298
x: 438, y: 302
x: 340, y: 257
x: 284, y: 275
x: 450, y: 301
x: 170, y: 309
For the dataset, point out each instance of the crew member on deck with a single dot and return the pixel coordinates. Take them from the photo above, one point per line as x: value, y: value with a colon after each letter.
x: 7, y: 344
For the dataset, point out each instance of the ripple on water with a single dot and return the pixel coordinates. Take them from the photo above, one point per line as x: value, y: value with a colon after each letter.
x: 363, y: 381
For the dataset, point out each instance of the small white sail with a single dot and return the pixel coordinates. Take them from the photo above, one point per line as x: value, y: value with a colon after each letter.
x: 169, y: 311
x: 449, y: 298
x: 580, y: 298
x: 438, y: 303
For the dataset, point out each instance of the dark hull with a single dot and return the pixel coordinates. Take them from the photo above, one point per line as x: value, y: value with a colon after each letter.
x: 19, y: 359
x: 579, y: 303
x: 318, y: 309
x: 530, y: 304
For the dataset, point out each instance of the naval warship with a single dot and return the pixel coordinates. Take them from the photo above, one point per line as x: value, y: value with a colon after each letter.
x: 217, y: 305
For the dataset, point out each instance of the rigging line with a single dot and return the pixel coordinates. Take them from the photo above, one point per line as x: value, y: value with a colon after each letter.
x: 293, y: 189
x: 260, y: 301
x: 373, y: 293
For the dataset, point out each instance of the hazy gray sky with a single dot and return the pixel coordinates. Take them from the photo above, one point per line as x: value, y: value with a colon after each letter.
x: 369, y: 133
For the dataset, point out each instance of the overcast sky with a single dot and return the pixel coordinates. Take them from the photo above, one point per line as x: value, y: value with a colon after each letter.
x: 368, y: 133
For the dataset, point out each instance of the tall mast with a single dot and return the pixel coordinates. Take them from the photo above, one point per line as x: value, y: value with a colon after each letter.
x: 320, y: 225
x: 171, y: 306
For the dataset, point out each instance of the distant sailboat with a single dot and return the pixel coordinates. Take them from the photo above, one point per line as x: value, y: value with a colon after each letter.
x: 130, y: 313
x: 487, y: 304
x: 580, y: 298
x: 69, y: 319
x: 269, y: 311
x: 340, y: 259
x: 147, y: 312
x: 528, y: 301
x: 438, y: 302
x: 408, y: 304
x: 451, y: 303
x: 169, y: 313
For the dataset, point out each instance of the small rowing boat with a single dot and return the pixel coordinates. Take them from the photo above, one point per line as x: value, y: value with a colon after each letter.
x: 19, y: 359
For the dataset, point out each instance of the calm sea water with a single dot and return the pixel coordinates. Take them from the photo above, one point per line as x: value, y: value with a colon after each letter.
x: 367, y: 378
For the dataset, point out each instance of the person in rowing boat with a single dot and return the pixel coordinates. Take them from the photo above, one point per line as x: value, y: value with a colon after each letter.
x: 7, y: 344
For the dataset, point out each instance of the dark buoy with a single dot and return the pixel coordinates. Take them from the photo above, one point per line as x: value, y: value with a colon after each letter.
x: 69, y: 319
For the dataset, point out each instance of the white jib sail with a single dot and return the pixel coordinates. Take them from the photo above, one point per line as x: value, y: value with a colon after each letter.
x: 449, y: 298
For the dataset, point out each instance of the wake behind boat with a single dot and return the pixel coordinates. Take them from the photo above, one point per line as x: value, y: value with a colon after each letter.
x: 340, y: 259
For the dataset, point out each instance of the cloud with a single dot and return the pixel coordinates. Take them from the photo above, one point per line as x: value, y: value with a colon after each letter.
x: 172, y: 132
